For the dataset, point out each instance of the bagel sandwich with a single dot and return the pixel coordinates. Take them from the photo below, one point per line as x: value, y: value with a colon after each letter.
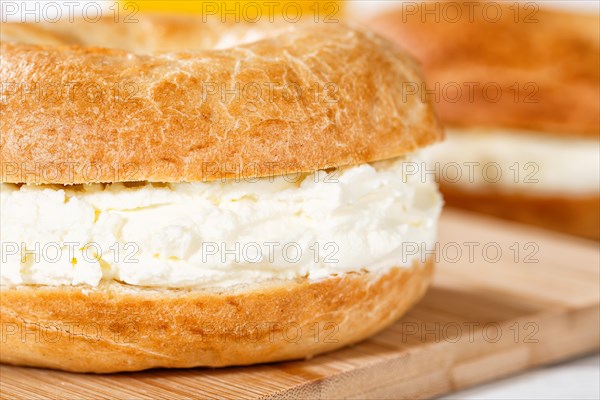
x: 516, y: 87
x: 156, y: 214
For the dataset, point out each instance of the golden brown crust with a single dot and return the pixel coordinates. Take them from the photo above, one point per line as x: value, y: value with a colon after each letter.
x: 120, y: 328
x: 569, y: 214
x: 547, y: 64
x: 305, y: 97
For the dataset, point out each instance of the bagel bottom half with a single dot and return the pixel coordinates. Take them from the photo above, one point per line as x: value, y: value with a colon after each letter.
x: 116, y: 327
x: 574, y: 215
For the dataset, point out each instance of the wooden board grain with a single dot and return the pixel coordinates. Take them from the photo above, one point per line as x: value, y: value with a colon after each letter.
x: 505, y: 298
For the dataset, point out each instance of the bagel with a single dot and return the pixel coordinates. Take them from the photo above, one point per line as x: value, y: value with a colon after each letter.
x: 517, y: 88
x: 319, y: 114
x: 557, y: 51
x: 307, y: 233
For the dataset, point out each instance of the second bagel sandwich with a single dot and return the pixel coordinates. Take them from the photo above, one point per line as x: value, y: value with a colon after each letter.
x: 149, y: 220
x: 518, y: 95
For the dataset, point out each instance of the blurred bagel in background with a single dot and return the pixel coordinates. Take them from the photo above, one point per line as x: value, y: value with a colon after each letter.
x: 517, y: 87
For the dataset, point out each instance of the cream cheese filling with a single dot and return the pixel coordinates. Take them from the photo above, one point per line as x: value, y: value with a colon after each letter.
x: 217, y: 234
x: 517, y: 162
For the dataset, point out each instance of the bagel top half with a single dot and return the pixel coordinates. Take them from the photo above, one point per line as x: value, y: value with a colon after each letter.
x: 504, y: 65
x: 173, y: 99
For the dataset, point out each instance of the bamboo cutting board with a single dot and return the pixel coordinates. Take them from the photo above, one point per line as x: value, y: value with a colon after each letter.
x: 505, y: 298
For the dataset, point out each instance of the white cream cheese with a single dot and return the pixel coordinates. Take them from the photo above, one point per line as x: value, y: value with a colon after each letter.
x: 216, y: 234
x: 517, y: 162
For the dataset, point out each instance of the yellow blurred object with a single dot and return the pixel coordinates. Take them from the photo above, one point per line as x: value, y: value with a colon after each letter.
x: 246, y: 10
